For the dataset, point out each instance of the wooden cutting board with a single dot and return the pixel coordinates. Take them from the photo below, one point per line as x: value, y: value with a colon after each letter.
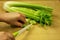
x: 37, y: 32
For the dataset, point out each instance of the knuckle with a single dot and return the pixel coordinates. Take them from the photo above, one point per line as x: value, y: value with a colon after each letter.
x: 23, y: 15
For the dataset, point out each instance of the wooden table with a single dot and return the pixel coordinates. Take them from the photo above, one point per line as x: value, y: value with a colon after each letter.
x: 37, y: 32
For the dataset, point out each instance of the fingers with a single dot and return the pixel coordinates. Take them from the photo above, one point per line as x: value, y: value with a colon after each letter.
x: 17, y: 24
x: 6, y: 36
x: 15, y: 18
x: 10, y: 36
x: 22, y: 18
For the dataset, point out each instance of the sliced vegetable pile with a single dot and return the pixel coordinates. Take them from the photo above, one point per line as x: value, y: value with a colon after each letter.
x: 37, y: 13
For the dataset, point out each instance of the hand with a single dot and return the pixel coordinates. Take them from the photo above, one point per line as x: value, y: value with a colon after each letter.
x: 13, y: 18
x: 6, y: 36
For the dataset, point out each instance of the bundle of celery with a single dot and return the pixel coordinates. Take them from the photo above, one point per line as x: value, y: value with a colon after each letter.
x: 40, y: 14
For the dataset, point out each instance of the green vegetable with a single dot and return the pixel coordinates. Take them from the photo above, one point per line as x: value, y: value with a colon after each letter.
x: 27, y: 5
x: 15, y: 33
x: 39, y: 14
